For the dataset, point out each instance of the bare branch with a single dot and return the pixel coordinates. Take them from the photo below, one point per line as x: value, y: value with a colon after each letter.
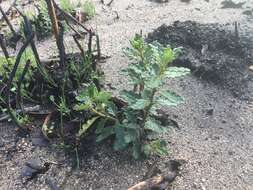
x: 3, y: 46
x: 8, y: 21
x: 52, y: 14
x: 157, y: 182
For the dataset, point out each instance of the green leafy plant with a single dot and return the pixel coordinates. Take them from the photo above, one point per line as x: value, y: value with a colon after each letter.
x: 81, y: 72
x: 89, y: 9
x: 35, y: 80
x: 7, y: 65
x: 67, y: 5
x: 96, y: 104
x: 135, y: 124
x: 63, y: 110
x: 42, y: 22
x: 149, y: 69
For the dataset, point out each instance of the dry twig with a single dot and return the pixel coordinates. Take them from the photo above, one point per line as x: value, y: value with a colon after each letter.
x: 3, y: 46
x: 8, y: 21
x: 155, y: 183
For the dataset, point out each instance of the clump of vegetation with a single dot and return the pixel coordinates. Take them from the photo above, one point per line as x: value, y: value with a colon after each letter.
x: 42, y: 23
x: 132, y: 124
x: 85, y: 7
x: 7, y: 64
x: 135, y: 125
x: 70, y: 88
x: 147, y: 73
x: 29, y: 81
x: 39, y: 18
x: 68, y: 6
x: 89, y: 9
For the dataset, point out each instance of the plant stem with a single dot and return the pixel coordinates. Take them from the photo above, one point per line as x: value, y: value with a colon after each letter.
x: 3, y: 46
x: 77, y: 158
x: 52, y: 14
x: 8, y: 22
x: 61, y: 127
x: 147, y: 109
x: 103, y: 115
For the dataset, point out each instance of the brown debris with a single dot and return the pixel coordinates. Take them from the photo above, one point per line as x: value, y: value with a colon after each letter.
x: 155, y: 183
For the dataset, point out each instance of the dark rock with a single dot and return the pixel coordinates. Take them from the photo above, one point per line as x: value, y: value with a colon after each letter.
x: 28, y: 172
x: 35, y: 164
x: 223, y: 121
x: 153, y: 170
x: 209, y: 112
x: 160, y: 1
x: 248, y: 12
x: 229, y: 4
x: 1, y: 142
x: 185, y: 1
x: 32, y: 168
x: 52, y: 184
x: 38, y: 139
x: 174, y: 165
x: 166, y: 120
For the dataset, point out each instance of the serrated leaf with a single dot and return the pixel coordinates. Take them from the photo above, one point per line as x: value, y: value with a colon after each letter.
x: 168, y: 55
x: 147, y: 149
x: 153, y: 125
x: 131, y: 125
x: 89, y: 93
x: 135, y: 72
x: 146, y: 93
x: 129, y: 96
x: 119, y: 143
x: 131, y: 132
x: 86, y: 126
x: 131, y: 135
x: 83, y: 96
x: 152, y: 136
x: 132, y: 54
x: 105, y: 133
x: 169, y: 98
x: 153, y: 110
x: 92, y: 91
x: 173, y: 72
x: 52, y: 98
x: 100, y: 125
x: 131, y: 115
x: 103, y: 97
x: 136, y: 150
x: 82, y: 107
x: 112, y: 109
x: 140, y: 104
x: 153, y: 83
x: 137, y: 42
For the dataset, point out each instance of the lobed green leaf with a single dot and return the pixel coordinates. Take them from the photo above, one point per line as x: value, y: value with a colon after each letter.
x: 173, y: 72
x: 86, y: 126
x: 169, y: 98
x: 140, y: 104
x: 155, y: 126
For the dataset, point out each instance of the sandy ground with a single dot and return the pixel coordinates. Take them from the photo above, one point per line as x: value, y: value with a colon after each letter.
x: 217, y: 148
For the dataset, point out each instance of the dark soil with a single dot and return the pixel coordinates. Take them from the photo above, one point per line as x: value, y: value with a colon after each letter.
x: 212, y: 53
